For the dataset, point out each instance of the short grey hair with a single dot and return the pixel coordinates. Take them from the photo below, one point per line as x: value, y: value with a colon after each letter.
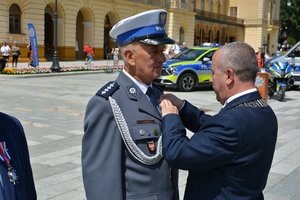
x: 132, y: 45
x: 241, y: 58
x: 122, y: 49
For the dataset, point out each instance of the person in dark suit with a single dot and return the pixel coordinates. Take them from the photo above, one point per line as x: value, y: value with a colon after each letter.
x: 121, y: 145
x: 15, y: 170
x: 229, y: 155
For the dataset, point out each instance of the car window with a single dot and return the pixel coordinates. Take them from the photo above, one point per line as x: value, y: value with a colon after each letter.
x: 297, y: 52
x: 208, y: 55
x: 189, y: 55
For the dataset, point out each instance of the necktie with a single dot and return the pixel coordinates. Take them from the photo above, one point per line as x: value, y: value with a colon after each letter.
x: 151, y: 96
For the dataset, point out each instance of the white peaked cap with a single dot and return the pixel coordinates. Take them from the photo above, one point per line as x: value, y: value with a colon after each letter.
x: 147, y: 27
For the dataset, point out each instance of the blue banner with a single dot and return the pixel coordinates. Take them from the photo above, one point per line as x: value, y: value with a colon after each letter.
x: 33, y: 45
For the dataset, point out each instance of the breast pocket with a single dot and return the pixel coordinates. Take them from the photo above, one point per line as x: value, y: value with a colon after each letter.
x: 146, y: 137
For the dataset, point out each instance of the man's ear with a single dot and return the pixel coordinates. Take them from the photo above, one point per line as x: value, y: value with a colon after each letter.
x: 230, y: 75
x: 128, y: 55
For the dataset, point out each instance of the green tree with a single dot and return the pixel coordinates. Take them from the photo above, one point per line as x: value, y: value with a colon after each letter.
x: 290, y: 21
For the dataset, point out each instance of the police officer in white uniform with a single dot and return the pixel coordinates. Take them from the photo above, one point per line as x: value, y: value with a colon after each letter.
x: 121, y: 146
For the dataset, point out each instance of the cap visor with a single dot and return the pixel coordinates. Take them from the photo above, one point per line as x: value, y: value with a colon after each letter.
x: 158, y: 41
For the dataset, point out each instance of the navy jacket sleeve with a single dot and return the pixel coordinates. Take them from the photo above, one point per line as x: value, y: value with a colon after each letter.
x: 192, y: 117
x: 213, y: 146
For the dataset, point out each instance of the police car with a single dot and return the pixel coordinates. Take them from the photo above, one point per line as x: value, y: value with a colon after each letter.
x: 188, y: 68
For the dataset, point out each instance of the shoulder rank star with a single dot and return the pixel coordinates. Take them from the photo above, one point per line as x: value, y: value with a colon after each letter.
x: 12, y: 175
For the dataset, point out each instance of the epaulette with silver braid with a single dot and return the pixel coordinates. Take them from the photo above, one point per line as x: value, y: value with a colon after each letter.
x: 255, y: 103
x: 129, y: 143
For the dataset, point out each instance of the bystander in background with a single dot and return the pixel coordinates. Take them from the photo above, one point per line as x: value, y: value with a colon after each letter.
x: 90, y: 54
x: 175, y: 49
x: 267, y: 56
x: 29, y: 55
x: 85, y: 50
x: 166, y: 52
x: 15, y: 53
x: 5, y: 50
x: 115, y: 53
x: 260, y: 58
x: 183, y: 47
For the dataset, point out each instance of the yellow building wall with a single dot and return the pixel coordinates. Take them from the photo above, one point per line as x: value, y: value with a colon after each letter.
x: 255, y: 13
x: 182, y: 20
x: 258, y: 16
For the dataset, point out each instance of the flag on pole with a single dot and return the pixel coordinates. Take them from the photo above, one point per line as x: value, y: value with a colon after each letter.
x: 33, y: 45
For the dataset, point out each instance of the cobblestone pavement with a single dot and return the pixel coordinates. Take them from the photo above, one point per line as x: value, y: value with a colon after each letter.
x: 51, y: 109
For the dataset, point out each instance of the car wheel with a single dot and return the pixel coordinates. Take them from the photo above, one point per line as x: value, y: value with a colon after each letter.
x: 186, y: 82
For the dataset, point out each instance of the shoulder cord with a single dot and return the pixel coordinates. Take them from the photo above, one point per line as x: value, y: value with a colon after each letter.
x: 129, y: 143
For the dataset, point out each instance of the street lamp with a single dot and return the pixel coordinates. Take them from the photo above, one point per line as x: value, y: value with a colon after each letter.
x: 289, y: 3
x: 55, y: 61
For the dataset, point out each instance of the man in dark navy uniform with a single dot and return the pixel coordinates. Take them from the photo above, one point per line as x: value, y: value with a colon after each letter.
x: 121, y: 147
x: 16, y: 179
x: 230, y: 154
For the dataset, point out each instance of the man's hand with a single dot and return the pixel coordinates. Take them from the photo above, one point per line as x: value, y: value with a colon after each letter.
x: 167, y: 107
x: 174, y: 100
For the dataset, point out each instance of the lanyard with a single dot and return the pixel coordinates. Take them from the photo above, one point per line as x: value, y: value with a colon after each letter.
x: 4, y: 156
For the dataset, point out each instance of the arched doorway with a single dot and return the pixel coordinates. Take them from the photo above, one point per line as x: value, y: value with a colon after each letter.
x: 210, y: 35
x: 79, y: 36
x: 84, y: 31
x: 49, y: 32
x: 202, y: 35
x: 49, y: 18
x: 107, y: 44
x: 217, y: 38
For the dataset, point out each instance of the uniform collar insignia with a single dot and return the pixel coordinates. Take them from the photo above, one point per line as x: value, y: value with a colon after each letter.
x: 132, y: 90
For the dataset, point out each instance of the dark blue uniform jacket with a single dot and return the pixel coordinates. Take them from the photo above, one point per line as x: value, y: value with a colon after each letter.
x: 11, y: 131
x: 230, y: 154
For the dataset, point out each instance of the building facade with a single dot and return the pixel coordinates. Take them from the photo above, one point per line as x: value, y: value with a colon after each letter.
x: 80, y: 21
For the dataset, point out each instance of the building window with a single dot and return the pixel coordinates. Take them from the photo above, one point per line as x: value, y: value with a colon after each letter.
x: 233, y: 11
x: 14, y: 19
x: 219, y: 8
x: 202, y: 4
x: 181, y: 35
x: 271, y: 11
x: 211, y: 7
